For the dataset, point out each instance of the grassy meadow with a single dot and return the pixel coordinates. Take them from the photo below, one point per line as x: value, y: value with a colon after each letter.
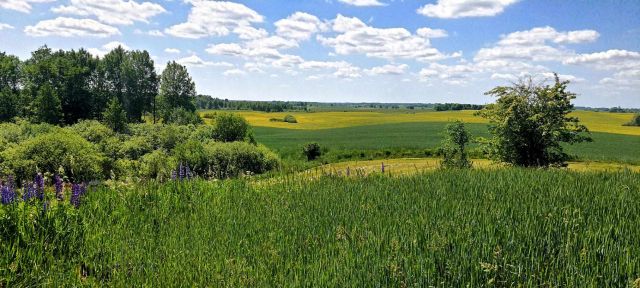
x: 498, y: 227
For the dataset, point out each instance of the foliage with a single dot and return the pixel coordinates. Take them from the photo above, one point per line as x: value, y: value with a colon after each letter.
x: 52, y: 152
x: 208, y: 102
x: 230, y: 127
x: 311, y: 151
x: 456, y: 107
x: 177, y: 90
x: 47, y: 106
x: 290, y: 119
x: 181, y: 116
x: 635, y: 121
x: 454, y: 146
x: 114, y: 116
x: 530, y: 122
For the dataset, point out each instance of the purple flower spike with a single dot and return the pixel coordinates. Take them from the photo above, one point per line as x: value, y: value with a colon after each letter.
x: 181, y: 170
x: 39, y: 186
x: 77, y: 191
x: 174, y: 175
x: 187, y: 172
x: 29, y: 191
x: 59, y: 185
x: 7, y: 194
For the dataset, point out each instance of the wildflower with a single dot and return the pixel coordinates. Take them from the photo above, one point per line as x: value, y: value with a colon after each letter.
x: 187, y: 172
x: 45, y: 207
x: 29, y: 191
x: 382, y: 167
x: 8, y: 195
x: 174, y: 175
x: 181, y: 170
x: 59, y: 186
x: 77, y: 191
x: 39, y: 186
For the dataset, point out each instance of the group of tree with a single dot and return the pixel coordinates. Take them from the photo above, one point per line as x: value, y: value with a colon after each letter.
x: 456, y: 107
x: 529, y: 124
x: 63, y: 87
x: 208, y: 102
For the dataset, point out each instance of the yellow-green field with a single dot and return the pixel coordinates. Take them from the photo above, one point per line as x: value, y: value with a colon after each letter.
x: 407, y: 166
x: 595, y: 121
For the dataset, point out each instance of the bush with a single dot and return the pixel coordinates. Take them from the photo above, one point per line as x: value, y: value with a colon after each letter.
x: 312, y: 151
x: 227, y: 160
x: 290, y: 119
x: 454, y: 146
x: 49, y: 152
x: 635, y: 121
x: 157, y: 165
x: 92, y: 130
x: 181, y: 116
x: 230, y: 127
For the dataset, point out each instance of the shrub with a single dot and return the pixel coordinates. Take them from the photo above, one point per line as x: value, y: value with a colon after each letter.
x: 114, y: 116
x: 227, y: 160
x: 181, y: 116
x: 135, y: 147
x: 312, y: 151
x: 454, y: 146
x: 49, y: 152
x: 230, y: 127
x: 157, y: 165
x: 92, y: 130
x: 635, y: 121
x: 290, y: 119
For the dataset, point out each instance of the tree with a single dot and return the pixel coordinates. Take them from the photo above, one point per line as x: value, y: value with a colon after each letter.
x: 47, y: 106
x: 454, y: 145
x: 8, y: 104
x: 312, y: 151
x: 230, y: 127
x: 530, y: 122
x: 176, y: 90
x: 141, y: 84
x: 114, y: 116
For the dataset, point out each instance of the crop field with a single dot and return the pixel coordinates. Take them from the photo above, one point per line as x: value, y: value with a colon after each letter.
x: 595, y: 121
x: 499, y: 227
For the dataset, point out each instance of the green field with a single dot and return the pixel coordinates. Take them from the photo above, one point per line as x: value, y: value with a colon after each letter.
x: 421, y: 135
x: 504, y: 227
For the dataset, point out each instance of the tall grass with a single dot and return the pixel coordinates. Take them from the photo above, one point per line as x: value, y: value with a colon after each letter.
x: 499, y: 227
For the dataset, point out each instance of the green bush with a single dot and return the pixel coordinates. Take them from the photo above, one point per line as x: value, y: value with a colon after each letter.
x: 80, y: 160
x: 230, y: 127
x: 635, y: 121
x: 290, y: 119
x: 312, y: 151
x: 135, y: 147
x: 157, y: 165
x: 227, y: 160
x: 181, y: 116
x: 92, y: 130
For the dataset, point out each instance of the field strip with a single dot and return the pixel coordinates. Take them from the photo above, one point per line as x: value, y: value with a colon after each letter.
x: 596, y: 121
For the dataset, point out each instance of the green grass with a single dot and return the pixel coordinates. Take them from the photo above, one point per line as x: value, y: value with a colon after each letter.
x: 421, y: 135
x: 474, y: 228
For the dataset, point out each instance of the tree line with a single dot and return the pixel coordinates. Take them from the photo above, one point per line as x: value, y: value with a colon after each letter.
x: 208, y: 102
x: 63, y: 87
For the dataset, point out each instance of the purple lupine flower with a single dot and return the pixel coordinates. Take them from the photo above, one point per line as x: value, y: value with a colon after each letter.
x: 59, y: 185
x: 77, y: 191
x: 187, y: 172
x: 174, y: 175
x: 29, y: 191
x: 11, y: 182
x: 45, y: 207
x: 39, y: 186
x: 7, y: 194
x: 181, y: 170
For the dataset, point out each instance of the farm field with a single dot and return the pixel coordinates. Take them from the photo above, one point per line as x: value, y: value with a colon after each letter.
x: 439, y: 228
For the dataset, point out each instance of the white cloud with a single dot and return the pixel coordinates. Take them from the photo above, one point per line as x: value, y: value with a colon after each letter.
x: 114, y: 12
x: 363, y: 3
x: 273, y: 42
x: 250, y: 33
x: 431, y: 33
x: 172, y: 50
x: 537, y: 44
x: 195, y: 61
x: 71, y: 27
x: 106, y: 48
x: 156, y: 33
x: 5, y: 26
x: 388, y: 70
x: 215, y: 18
x: 234, y: 72
x: 23, y: 6
x: 465, y: 8
x: 389, y: 43
x: 607, y: 60
x: 299, y: 26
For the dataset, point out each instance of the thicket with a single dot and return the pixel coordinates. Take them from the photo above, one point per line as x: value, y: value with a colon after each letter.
x: 635, y: 120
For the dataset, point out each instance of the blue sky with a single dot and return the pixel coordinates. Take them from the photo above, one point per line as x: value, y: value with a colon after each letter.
x: 354, y: 50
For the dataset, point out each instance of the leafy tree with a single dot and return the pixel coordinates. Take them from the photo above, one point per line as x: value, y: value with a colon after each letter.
x: 111, y: 66
x: 530, y: 122
x: 9, y: 72
x: 312, y: 151
x: 141, y: 84
x: 230, y: 127
x: 176, y: 90
x: 635, y: 121
x: 8, y: 104
x: 454, y: 145
x: 47, y: 107
x: 114, y: 116
x: 181, y: 116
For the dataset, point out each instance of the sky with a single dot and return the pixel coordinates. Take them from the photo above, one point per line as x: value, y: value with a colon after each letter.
x: 397, y: 51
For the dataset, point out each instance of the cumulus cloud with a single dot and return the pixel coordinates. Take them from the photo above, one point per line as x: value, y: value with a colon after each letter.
x: 431, y: 33
x: 114, y: 12
x: 195, y: 61
x: 234, y: 72
x: 537, y: 44
x: 4, y: 26
x: 273, y: 42
x: 363, y: 3
x: 215, y: 18
x: 299, y: 26
x: 465, y: 8
x: 71, y: 27
x: 106, y: 48
x: 607, y: 60
x: 23, y: 6
x: 355, y: 37
x: 388, y: 69
x: 172, y: 50
x: 156, y: 33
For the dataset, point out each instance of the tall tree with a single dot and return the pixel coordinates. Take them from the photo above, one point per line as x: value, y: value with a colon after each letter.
x: 530, y: 122
x: 47, y: 106
x: 112, y: 69
x: 114, y: 116
x: 9, y: 86
x: 177, y: 90
x: 141, y: 84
